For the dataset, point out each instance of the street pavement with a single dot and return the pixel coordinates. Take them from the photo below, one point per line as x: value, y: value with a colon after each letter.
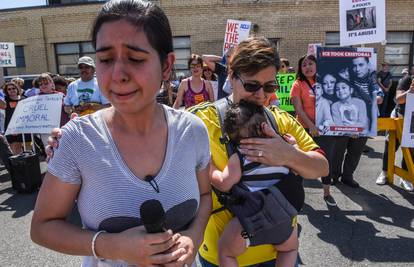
x: 372, y: 225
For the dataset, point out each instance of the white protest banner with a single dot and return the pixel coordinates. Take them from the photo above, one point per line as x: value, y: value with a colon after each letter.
x: 236, y: 31
x: 408, y: 130
x: 361, y: 22
x: 36, y: 114
x: 7, y: 55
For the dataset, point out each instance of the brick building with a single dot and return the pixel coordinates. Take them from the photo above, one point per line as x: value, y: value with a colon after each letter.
x: 53, y: 36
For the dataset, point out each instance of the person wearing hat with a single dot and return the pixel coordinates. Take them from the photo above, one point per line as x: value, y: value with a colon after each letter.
x: 83, y: 95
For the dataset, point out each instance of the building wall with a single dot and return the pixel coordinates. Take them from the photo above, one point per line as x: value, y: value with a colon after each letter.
x: 294, y: 23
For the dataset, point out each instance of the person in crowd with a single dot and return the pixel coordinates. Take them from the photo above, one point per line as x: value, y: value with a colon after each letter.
x: 303, y: 99
x: 20, y: 83
x: 61, y: 84
x: 84, y: 95
x: 5, y: 153
x: 215, y: 63
x: 247, y: 120
x: 12, y: 97
x: 34, y: 90
x: 47, y: 86
x: 69, y: 80
x: 253, y: 67
x: 2, y: 111
x: 348, y: 110
x: 284, y: 66
x: 322, y: 108
x: 404, y: 87
x: 273, y: 100
x: 348, y: 149
x: 328, y: 86
x: 210, y: 76
x: 195, y: 89
x: 136, y: 141
x: 384, y: 79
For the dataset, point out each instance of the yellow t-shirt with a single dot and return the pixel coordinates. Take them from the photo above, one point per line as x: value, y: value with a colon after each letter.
x: 217, y: 221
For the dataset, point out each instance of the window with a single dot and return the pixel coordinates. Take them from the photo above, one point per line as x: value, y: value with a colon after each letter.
x: 64, y: 2
x: 332, y: 39
x: 20, y: 63
x: 67, y: 55
x: 182, y: 49
x: 399, y: 51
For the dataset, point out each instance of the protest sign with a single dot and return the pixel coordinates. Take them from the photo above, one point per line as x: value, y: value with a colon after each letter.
x: 283, y: 93
x: 236, y: 31
x: 361, y: 22
x: 345, y: 91
x: 408, y: 130
x: 312, y: 49
x: 37, y: 114
x: 7, y: 55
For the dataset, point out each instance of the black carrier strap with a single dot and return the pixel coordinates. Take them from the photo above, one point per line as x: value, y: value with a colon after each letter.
x: 221, y: 106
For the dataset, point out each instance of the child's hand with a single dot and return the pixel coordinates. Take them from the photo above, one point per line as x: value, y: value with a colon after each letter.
x: 290, y: 139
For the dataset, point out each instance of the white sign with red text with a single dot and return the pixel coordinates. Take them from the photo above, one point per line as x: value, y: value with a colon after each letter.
x: 236, y: 31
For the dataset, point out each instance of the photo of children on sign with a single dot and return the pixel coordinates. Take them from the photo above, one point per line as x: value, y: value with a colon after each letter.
x: 361, y: 18
x: 346, y: 91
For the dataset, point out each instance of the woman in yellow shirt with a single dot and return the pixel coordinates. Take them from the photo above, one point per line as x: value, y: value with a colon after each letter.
x: 253, y: 67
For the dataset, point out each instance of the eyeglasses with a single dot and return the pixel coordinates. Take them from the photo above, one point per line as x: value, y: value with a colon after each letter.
x: 193, y: 66
x: 207, y: 70
x: 269, y: 87
x: 43, y: 83
x: 11, y: 88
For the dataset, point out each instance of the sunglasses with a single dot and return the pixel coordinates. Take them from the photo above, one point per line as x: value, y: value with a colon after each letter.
x: 252, y: 87
x: 43, y: 83
x: 193, y: 66
x: 11, y: 88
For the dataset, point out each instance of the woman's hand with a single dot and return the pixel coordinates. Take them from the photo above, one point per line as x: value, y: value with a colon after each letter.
x: 53, y: 143
x: 313, y: 130
x: 53, y: 140
x: 272, y: 151
x: 185, y: 241
x: 138, y: 247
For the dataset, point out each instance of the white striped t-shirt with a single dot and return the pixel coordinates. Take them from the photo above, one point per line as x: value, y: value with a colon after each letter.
x: 110, y: 194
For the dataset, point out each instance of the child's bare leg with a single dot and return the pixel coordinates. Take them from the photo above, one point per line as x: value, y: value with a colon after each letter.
x: 287, y: 252
x: 231, y: 244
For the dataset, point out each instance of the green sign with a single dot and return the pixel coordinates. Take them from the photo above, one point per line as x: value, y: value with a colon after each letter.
x: 285, y: 81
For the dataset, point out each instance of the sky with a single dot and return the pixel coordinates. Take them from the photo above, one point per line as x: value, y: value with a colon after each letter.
x: 20, y: 3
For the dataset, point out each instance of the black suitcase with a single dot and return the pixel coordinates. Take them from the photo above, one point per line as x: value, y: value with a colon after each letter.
x: 25, y: 172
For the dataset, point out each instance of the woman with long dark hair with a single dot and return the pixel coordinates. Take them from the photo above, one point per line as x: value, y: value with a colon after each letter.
x: 303, y: 99
x: 114, y: 160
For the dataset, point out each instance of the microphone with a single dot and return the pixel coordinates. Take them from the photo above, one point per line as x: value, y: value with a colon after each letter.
x: 153, y: 216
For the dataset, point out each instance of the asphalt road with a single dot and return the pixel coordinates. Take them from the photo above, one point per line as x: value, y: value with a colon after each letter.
x: 372, y: 225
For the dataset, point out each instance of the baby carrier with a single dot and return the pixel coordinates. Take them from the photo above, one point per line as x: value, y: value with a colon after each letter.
x: 267, y: 216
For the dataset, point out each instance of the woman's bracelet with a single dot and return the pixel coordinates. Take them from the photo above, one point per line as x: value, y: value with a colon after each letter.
x: 93, y: 244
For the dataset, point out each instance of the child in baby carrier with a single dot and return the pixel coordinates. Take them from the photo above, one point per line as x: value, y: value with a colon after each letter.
x: 263, y: 215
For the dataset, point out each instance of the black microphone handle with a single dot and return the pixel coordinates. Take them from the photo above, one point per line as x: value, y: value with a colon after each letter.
x: 155, y: 228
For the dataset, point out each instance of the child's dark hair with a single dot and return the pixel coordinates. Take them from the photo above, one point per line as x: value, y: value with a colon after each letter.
x: 243, y: 120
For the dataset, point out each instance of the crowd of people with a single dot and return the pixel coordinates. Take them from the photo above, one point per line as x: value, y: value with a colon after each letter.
x: 242, y: 159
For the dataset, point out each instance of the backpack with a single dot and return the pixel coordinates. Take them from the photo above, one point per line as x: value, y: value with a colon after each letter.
x: 262, y: 213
